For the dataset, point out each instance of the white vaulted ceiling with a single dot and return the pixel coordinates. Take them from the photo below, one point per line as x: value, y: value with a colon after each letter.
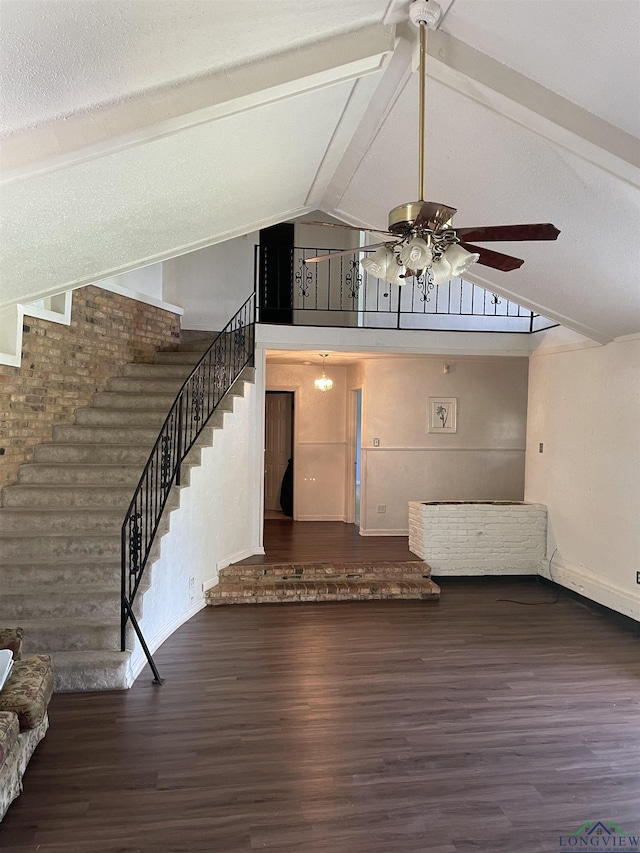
x: 134, y: 131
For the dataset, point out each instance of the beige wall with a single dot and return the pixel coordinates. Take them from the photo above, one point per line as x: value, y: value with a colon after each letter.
x: 483, y: 460
x: 319, y: 439
x: 584, y: 406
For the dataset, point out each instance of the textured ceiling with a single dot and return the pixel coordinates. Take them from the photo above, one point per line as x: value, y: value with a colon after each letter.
x: 62, y: 57
x: 138, y: 130
x: 585, y: 51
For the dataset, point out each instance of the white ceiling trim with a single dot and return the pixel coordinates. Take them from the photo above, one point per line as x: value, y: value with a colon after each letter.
x: 594, y: 335
x: 511, y: 94
x: 96, y: 278
x: 393, y: 81
x: 355, y: 108
x: 137, y: 120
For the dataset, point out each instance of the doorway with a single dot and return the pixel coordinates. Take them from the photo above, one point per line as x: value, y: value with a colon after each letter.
x: 276, y: 273
x: 278, y: 454
x: 357, y: 453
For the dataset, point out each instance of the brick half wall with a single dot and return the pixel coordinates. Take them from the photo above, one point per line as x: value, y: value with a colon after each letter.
x: 62, y: 366
x: 479, y: 538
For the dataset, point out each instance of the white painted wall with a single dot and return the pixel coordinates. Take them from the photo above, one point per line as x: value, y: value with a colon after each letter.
x: 483, y: 460
x: 584, y: 405
x: 217, y: 523
x: 212, y: 283
x: 319, y: 448
x: 146, y: 281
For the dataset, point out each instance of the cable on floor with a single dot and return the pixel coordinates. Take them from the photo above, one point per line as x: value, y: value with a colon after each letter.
x: 536, y: 603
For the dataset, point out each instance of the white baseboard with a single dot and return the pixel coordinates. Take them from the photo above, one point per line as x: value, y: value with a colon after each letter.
x: 320, y: 518
x: 138, y: 659
x: 595, y: 588
x: 482, y: 571
x: 382, y: 532
x: 227, y: 561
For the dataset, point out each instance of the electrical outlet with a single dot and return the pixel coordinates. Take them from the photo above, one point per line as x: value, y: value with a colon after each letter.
x: 382, y: 508
x: 376, y: 442
x: 541, y: 448
x: 192, y: 582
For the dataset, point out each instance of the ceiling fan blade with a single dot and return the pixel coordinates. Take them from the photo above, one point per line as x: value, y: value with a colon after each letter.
x: 433, y: 215
x: 496, y: 260
x: 491, y: 233
x: 349, y: 227
x: 339, y: 252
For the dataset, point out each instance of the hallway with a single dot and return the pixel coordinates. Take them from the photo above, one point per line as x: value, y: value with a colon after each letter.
x: 287, y: 541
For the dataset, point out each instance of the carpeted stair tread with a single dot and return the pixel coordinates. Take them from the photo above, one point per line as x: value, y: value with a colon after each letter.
x: 90, y: 670
x: 63, y: 453
x: 60, y: 524
x: 69, y: 474
x: 47, y: 497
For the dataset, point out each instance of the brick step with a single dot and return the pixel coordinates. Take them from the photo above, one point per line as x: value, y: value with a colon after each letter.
x: 279, y: 592
x: 42, y: 474
x: 329, y: 571
x: 90, y: 670
x: 92, y: 454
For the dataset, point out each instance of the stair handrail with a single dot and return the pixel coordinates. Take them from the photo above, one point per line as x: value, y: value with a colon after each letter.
x: 212, y: 377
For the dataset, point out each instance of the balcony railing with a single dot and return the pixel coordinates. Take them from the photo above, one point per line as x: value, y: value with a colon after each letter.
x: 339, y: 292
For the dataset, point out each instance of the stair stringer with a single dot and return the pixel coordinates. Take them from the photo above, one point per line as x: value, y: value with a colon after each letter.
x: 211, y: 524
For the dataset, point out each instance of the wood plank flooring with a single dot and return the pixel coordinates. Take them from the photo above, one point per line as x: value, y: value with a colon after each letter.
x: 290, y: 541
x: 387, y: 727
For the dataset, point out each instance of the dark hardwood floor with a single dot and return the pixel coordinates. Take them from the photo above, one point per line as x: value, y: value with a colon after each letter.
x: 386, y: 727
x: 289, y: 541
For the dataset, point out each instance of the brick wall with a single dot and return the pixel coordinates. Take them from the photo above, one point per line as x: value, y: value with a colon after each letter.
x: 63, y: 365
x: 479, y: 538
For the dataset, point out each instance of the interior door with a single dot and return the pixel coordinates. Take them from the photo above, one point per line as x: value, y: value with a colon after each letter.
x: 278, y: 446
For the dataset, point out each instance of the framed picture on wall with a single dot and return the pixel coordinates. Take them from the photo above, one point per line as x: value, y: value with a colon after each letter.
x: 443, y: 414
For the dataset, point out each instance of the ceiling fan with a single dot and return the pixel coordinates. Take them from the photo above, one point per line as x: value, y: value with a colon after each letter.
x: 420, y: 237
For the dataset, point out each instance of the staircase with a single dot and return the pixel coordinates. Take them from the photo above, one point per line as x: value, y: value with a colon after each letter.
x: 290, y: 582
x: 60, y: 524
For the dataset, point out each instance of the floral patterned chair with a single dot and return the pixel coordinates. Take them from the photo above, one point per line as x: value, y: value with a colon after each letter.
x: 23, y: 713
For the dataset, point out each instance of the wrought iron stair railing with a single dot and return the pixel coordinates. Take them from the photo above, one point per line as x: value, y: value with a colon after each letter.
x: 209, y: 381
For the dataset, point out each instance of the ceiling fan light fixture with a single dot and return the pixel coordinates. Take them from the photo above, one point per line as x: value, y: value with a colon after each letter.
x: 377, y: 264
x: 396, y: 272
x: 442, y: 271
x: 459, y: 259
x: 384, y: 264
x: 416, y: 254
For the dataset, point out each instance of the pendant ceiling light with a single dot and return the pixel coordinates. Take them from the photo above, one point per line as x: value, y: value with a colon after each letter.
x: 324, y: 383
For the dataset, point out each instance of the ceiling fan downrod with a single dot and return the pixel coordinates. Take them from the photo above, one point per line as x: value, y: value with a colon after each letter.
x: 423, y: 14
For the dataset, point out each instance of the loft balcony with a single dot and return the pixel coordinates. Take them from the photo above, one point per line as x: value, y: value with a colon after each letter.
x: 339, y: 292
